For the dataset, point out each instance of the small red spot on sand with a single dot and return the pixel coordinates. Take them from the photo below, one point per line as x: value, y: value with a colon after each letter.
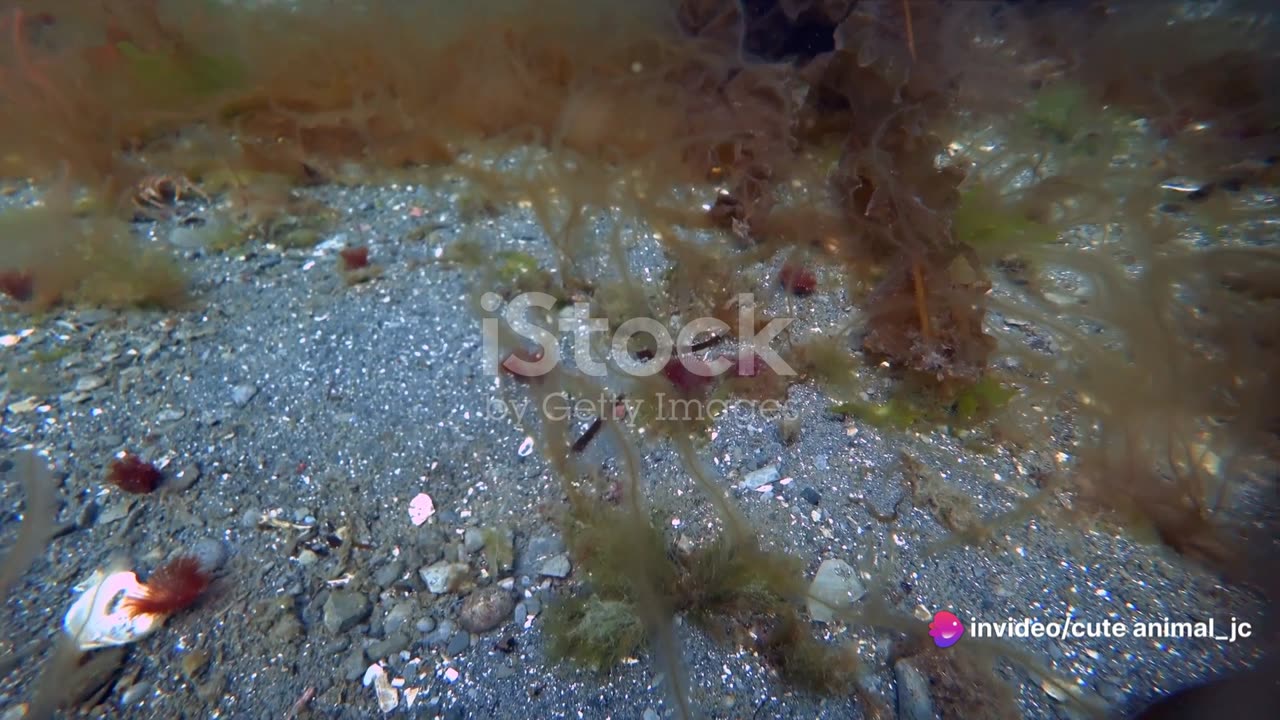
x: 681, y: 373
x: 354, y: 258
x: 797, y: 280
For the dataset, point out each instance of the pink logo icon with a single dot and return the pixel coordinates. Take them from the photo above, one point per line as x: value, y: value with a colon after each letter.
x: 945, y: 629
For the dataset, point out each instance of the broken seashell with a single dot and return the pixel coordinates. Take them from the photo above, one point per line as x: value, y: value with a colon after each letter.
x: 420, y: 508
x: 100, y: 618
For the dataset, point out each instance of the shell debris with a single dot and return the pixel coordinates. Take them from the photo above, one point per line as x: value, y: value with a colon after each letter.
x: 421, y: 507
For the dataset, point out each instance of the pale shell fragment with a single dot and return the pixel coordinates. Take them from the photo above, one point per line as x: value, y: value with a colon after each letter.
x: 98, y: 618
x: 388, y: 697
x: 420, y: 508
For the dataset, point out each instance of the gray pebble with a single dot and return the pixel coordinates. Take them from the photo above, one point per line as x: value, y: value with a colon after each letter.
x: 170, y: 415
x: 540, y: 548
x: 355, y: 665
x: 914, y: 702
x: 520, y: 613
x: 135, y: 694
x: 834, y: 588
x: 458, y: 644
x: 444, y: 631
x: 759, y: 478
x: 473, y: 541
x: 186, y: 477
x: 650, y: 714
x: 242, y: 394
x: 88, y: 514
x: 90, y: 382
x: 249, y: 518
x: 389, y: 573
x: 211, y: 552
x: 392, y: 645
x: 425, y: 625
x: 557, y: 567
x: 344, y: 610
x: 533, y: 605
x: 399, y: 616
x: 443, y: 576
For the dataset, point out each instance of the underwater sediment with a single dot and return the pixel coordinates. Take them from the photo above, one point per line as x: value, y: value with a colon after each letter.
x: 342, y: 325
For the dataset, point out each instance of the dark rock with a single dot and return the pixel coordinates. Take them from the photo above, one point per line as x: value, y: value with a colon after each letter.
x: 813, y: 496
x: 345, y: 609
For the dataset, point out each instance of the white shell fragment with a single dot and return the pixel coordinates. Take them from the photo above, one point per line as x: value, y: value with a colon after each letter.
x: 420, y: 508
x: 388, y: 697
x: 97, y: 618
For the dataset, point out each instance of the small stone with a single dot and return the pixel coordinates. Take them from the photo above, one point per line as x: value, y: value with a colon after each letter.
x: 24, y: 406
x: 650, y: 714
x: 759, y: 478
x: 473, y: 541
x: 242, y: 394
x: 115, y: 511
x: 540, y: 548
x: 425, y: 625
x: 444, y: 631
x: 399, y: 616
x: 914, y: 702
x: 354, y: 666
x: 557, y: 567
x: 87, y: 515
x: 533, y: 606
x: 444, y: 577
x: 458, y: 644
x: 813, y: 496
x: 835, y: 587
x: 135, y: 694
x: 392, y: 645
x: 169, y: 415
x: 89, y: 383
x: 186, y: 477
x: 485, y: 609
x: 344, y: 610
x: 389, y: 573
x: 211, y: 552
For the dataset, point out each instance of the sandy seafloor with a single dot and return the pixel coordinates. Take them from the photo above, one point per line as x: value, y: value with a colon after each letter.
x: 284, y: 391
